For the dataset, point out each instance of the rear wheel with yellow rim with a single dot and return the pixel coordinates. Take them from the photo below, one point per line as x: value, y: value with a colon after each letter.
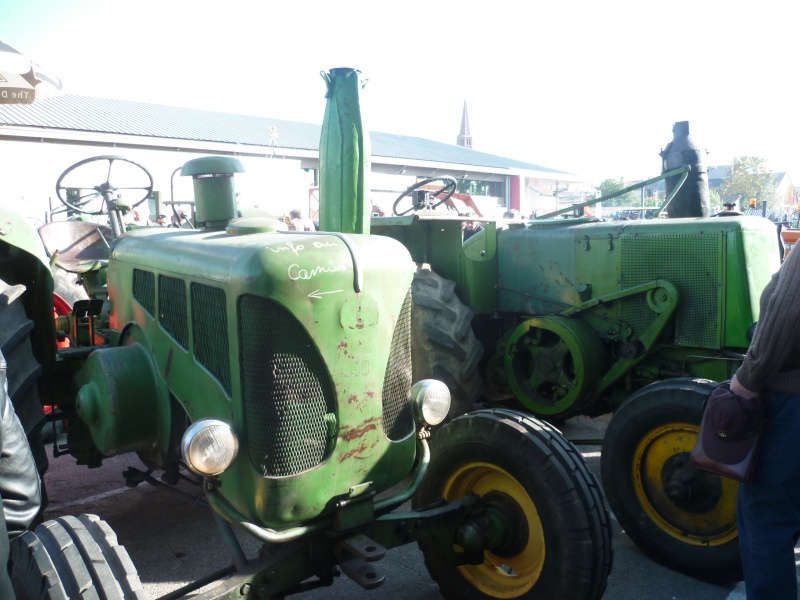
x: 681, y: 516
x: 540, y: 529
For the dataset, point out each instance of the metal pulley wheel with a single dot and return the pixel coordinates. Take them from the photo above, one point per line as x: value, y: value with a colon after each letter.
x: 553, y: 364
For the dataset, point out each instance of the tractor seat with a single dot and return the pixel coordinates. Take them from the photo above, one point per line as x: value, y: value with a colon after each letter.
x: 78, y: 246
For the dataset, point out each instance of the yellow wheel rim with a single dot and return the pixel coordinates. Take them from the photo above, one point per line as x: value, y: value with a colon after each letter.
x: 711, y: 521
x: 501, y: 577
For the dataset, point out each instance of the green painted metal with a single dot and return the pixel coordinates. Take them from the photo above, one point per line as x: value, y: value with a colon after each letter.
x: 553, y: 363
x: 16, y: 230
x: 122, y: 401
x: 344, y: 156
x: 436, y: 239
x: 345, y: 293
x: 609, y: 276
x: 214, y: 192
x: 216, y: 165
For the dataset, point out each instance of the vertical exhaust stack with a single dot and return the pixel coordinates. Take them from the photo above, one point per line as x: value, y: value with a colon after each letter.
x: 214, y: 192
x: 692, y: 199
x: 344, y: 156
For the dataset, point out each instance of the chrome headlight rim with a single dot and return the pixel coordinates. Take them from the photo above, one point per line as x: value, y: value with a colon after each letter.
x: 192, y: 435
x: 427, y: 399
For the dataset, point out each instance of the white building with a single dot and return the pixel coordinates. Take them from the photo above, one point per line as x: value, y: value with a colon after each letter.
x: 39, y: 141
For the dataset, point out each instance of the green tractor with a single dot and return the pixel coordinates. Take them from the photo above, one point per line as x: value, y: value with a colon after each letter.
x: 277, y: 367
x: 562, y: 317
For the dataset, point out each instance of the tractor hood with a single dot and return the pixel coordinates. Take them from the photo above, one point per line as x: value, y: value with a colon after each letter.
x: 298, y: 340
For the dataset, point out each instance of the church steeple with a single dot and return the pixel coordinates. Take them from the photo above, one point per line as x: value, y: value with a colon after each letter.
x: 464, y: 138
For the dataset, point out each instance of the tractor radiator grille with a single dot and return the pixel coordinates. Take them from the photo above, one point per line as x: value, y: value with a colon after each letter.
x: 210, y: 327
x: 398, y: 422
x: 693, y: 263
x: 144, y: 290
x: 172, y: 308
x: 289, y: 399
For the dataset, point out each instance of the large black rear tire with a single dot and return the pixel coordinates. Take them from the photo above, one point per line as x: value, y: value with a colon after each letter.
x: 73, y: 557
x: 443, y: 345
x: 560, y: 533
x: 682, y: 517
x: 23, y: 368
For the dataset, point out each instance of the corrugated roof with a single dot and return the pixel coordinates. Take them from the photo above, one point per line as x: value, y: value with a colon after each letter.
x: 124, y: 117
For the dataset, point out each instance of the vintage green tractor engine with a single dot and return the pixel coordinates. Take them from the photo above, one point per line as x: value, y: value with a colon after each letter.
x: 565, y: 317
x: 613, y: 307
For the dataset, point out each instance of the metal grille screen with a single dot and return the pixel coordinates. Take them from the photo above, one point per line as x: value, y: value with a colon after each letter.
x: 210, y: 329
x: 172, y: 308
x: 690, y: 261
x: 144, y: 290
x: 398, y: 421
x: 289, y: 399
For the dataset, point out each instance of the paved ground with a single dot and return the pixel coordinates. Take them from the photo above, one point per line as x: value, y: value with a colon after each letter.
x: 173, y: 542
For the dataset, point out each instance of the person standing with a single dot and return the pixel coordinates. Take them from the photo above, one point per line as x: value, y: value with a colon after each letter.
x: 768, y: 508
x: 299, y: 222
x: 469, y: 228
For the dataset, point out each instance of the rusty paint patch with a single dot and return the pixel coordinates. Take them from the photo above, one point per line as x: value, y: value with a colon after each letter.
x: 342, y: 348
x: 352, y: 453
x: 357, y: 432
x: 370, y: 394
x: 352, y: 398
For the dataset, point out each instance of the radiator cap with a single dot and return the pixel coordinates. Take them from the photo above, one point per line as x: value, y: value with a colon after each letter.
x: 248, y: 225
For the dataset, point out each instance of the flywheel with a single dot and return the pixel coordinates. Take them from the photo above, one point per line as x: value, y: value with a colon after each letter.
x: 553, y: 364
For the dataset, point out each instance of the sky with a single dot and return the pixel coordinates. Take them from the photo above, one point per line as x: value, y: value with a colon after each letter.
x: 587, y: 87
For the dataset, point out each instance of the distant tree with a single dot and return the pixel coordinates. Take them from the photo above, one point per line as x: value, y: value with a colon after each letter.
x: 750, y: 178
x: 715, y: 200
x: 611, y: 186
x: 473, y: 188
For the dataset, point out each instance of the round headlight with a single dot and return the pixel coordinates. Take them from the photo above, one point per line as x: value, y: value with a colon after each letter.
x: 431, y: 401
x: 209, y: 447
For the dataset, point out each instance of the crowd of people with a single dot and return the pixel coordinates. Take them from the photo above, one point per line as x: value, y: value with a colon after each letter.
x: 135, y: 218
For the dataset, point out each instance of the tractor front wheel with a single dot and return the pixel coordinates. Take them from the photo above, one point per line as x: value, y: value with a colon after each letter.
x: 682, y: 517
x: 541, y: 531
x: 73, y: 557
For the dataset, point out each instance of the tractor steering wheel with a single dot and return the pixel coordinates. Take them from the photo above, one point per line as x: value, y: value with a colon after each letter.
x: 448, y: 189
x: 103, y: 191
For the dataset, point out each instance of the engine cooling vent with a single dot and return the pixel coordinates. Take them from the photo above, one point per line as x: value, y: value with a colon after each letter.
x: 172, y: 308
x: 692, y: 261
x: 398, y: 420
x: 210, y: 329
x: 144, y: 290
x: 289, y: 398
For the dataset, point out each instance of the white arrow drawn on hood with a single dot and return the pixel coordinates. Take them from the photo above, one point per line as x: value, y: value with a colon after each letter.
x: 318, y: 294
